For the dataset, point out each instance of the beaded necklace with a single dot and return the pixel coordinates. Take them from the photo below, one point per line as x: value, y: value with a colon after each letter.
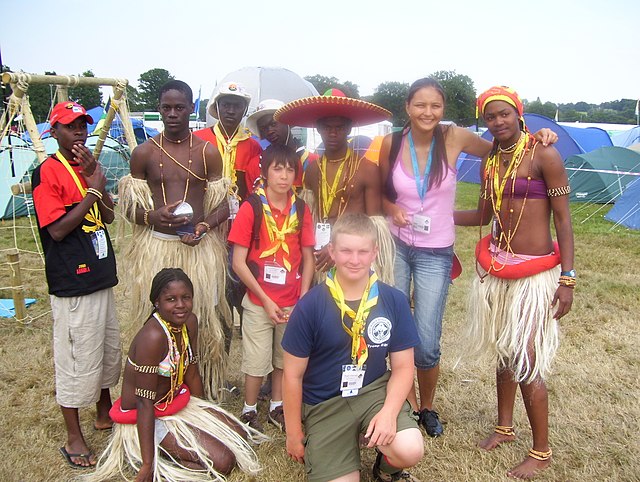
x: 495, y: 186
x: 177, y: 372
x: 178, y: 163
x: 328, y: 193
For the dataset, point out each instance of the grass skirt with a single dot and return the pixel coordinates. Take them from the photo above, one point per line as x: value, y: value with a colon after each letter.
x: 507, y: 316
x: 205, y: 264
x: 124, y: 447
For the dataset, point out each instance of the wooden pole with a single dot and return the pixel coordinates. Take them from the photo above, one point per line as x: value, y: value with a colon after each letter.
x: 16, y: 285
x: 68, y: 80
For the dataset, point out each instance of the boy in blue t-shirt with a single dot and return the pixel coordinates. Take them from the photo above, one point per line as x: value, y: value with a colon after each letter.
x: 336, y: 384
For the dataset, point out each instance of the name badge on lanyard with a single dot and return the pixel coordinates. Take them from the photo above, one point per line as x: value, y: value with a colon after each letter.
x: 99, y: 241
x: 323, y: 235
x: 421, y: 223
x: 352, y: 379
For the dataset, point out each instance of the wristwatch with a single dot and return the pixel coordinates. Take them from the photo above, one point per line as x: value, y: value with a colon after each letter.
x: 571, y: 273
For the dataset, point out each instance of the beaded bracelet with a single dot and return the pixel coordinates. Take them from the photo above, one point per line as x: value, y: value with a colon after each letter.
x: 207, y: 225
x: 568, y: 281
x: 95, y: 192
x: 144, y: 393
x: 145, y: 217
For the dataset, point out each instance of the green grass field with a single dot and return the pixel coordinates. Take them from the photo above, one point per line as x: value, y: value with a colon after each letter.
x: 594, y: 390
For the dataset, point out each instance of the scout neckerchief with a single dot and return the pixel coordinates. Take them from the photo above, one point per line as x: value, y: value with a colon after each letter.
x: 328, y: 193
x: 93, y: 216
x: 359, y: 350
x: 228, y: 150
x: 278, y: 236
x: 422, y: 182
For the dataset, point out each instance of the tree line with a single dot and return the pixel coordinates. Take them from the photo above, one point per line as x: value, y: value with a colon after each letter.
x: 459, y: 89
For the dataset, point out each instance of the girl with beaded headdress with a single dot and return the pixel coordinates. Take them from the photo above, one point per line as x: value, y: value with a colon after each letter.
x: 525, y: 281
x: 163, y: 428
x: 418, y: 168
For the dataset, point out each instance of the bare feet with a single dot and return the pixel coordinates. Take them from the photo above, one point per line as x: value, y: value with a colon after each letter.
x: 529, y: 468
x: 495, y: 439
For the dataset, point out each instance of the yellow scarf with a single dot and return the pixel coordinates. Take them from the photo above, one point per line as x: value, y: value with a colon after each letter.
x: 278, y: 236
x: 228, y: 149
x: 93, y: 216
x: 359, y: 349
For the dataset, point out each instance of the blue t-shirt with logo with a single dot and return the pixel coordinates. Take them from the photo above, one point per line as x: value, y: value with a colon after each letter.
x: 314, y: 331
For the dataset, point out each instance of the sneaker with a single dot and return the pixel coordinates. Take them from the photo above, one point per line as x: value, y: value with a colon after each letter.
x: 276, y: 417
x: 251, y: 419
x: 430, y: 420
x: 381, y: 476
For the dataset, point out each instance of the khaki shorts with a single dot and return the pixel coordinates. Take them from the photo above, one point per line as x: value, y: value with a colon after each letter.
x: 86, y: 347
x: 261, y: 341
x: 333, y: 427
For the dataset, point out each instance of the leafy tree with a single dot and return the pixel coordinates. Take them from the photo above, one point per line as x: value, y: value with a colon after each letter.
x: 392, y: 96
x: 149, y: 85
x: 202, y: 114
x: 88, y: 96
x: 461, y: 96
x: 547, y: 109
x: 5, y: 90
x: 323, y: 83
x: 132, y: 98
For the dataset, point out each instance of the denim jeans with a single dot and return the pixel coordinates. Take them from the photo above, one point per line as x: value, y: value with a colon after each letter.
x: 430, y: 270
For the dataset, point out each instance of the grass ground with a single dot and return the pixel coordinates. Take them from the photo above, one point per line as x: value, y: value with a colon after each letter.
x: 594, y: 391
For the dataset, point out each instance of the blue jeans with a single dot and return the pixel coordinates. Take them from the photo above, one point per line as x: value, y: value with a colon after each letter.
x: 430, y: 269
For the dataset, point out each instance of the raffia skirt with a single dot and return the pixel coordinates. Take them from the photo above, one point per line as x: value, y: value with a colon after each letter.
x: 205, y: 264
x: 508, y: 317
x: 199, y: 415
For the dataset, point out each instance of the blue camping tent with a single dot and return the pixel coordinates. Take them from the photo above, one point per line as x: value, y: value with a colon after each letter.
x: 571, y: 141
x: 627, y: 138
x: 627, y: 208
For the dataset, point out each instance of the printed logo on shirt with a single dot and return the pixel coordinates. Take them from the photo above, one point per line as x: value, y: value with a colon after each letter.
x: 82, y: 268
x: 379, y: 330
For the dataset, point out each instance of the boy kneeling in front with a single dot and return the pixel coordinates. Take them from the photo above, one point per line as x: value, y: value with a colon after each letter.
x: 336, y: 384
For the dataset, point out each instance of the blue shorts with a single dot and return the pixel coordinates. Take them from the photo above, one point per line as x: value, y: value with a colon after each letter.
x: 430, y: 270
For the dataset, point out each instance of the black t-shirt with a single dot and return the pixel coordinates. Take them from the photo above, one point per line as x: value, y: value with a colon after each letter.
x: 71, y: 265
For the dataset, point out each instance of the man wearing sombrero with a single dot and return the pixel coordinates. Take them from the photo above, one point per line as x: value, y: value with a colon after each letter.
x: 341, y: 181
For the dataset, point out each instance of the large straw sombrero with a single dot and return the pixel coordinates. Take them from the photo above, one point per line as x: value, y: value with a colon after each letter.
x: 305, y: 112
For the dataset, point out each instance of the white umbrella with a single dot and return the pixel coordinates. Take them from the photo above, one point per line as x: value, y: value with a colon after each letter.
x: 266, y: 83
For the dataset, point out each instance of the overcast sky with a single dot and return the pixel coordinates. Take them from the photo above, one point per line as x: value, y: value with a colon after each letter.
x: 560, y: 51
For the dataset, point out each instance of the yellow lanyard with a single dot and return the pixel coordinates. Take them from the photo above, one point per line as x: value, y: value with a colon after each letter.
x: 328, y: 194
x: 228, y: 149
x: 93, y: 216
x: 278, y: 236
x: 359, y: 349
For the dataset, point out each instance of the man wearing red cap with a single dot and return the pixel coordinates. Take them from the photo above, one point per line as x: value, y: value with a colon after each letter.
x: 342, y: 181
x: 72, y: 208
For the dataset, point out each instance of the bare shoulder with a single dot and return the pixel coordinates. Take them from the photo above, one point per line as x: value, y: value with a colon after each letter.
x: 140, y: 157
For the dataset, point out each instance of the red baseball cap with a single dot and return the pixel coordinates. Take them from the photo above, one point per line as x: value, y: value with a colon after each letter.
x: 67, y: 112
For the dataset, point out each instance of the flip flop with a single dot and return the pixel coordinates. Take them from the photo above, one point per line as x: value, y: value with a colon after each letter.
x: 110, y: 427
x: 67, y: 456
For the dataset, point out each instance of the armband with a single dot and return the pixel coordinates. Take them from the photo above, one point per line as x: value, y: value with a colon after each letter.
x: 144, y: 393
x: 568, y: 281
x: 485, y: 195
x: 148, y: 369
x: 145, y: 217
x: 558, y: 191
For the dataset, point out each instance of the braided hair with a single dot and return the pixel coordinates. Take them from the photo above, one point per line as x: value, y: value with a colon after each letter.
x: 163, y: 278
